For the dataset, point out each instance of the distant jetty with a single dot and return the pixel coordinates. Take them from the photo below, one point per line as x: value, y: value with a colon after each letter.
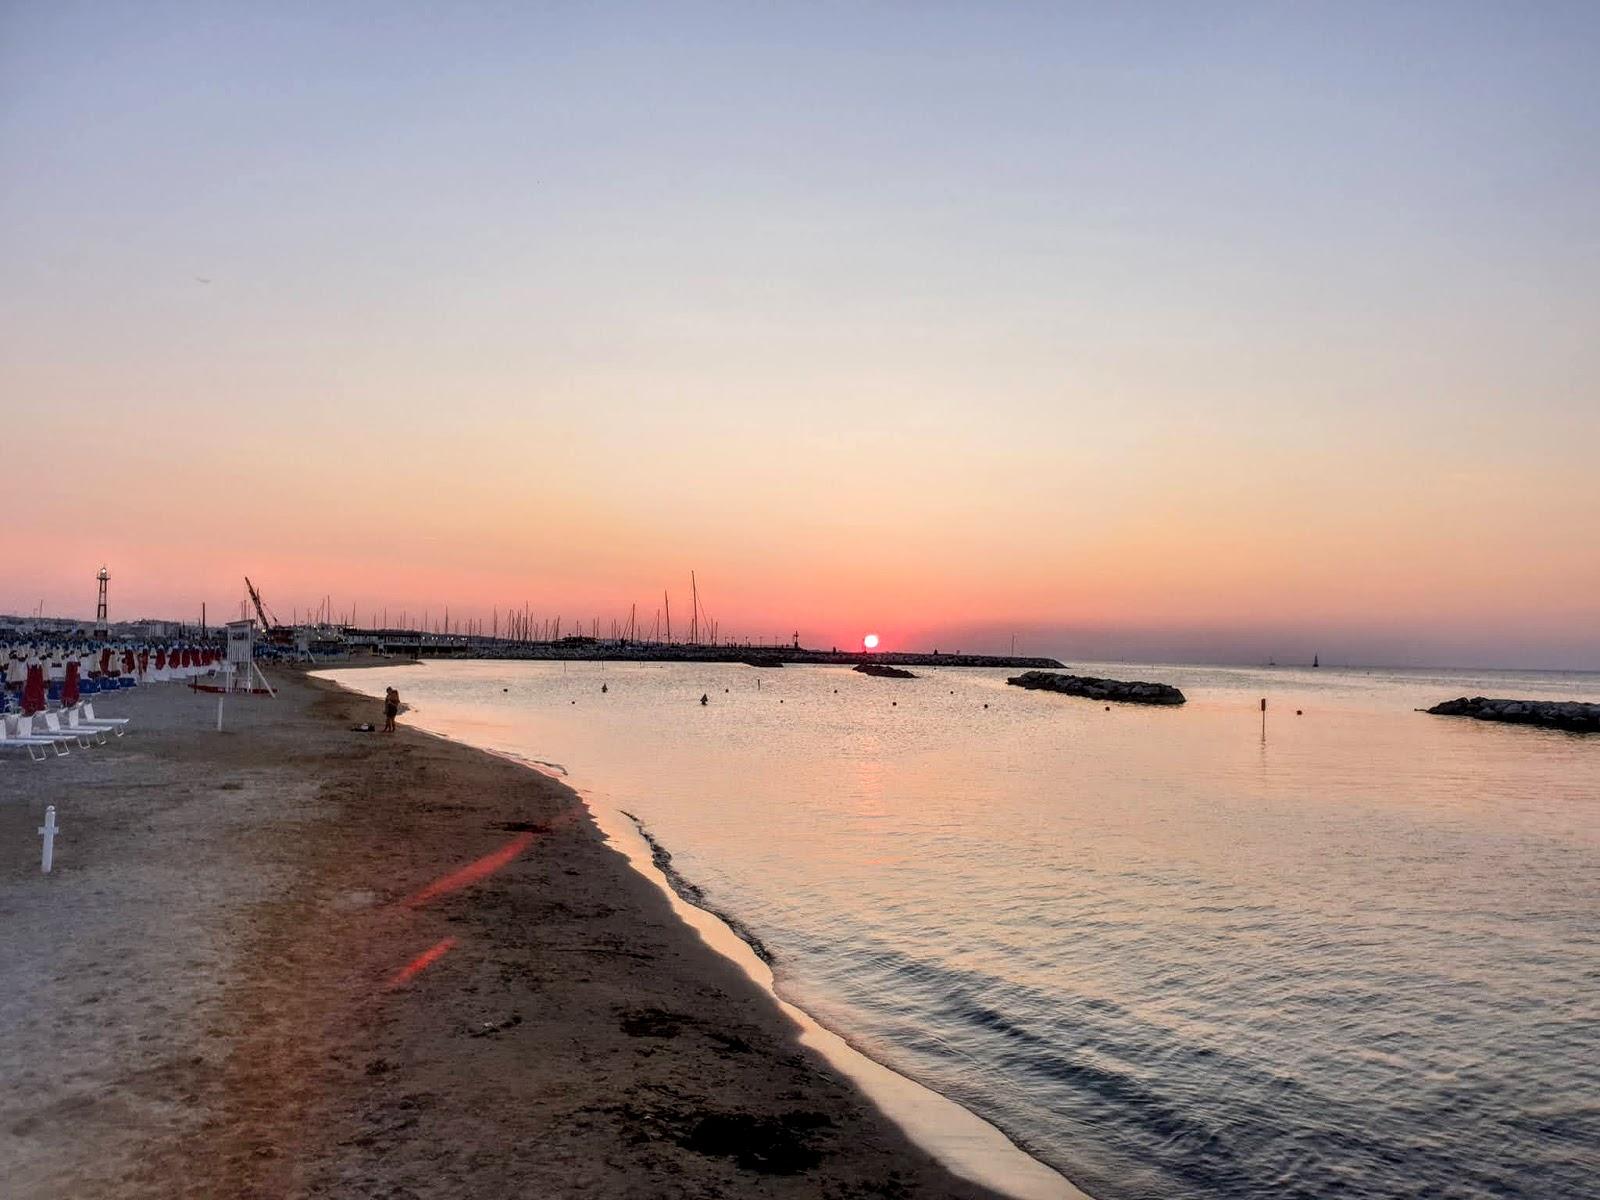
x: 412, y: 644
x: 1099, y: 689
x: 1575, y: 715
x: 884, y: 671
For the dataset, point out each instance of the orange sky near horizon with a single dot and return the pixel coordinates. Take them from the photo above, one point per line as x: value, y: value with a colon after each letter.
x: 830, y: 539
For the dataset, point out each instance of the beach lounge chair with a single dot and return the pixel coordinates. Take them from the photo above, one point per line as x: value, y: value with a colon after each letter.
x: 88, y: 712
x: 75, y: 718
x: 38, y: 748
x: 20, y: 731
x: 54, y: 728
x: 73, y: 721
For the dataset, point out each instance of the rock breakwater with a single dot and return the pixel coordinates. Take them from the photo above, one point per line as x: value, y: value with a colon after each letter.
x: 884, y: 672
x: 1576, y: 715
x: 1088, y: 686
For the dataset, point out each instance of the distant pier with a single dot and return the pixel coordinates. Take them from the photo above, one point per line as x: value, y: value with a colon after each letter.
x: 411, y: 644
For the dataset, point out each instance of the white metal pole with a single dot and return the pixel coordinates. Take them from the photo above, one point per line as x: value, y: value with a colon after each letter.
x: 48, y: 832
x: 219, y: 714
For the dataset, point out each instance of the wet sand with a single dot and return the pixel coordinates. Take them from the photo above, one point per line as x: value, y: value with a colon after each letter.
x: 289, y: 959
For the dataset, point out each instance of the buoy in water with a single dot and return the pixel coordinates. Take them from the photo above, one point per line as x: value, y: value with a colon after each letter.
x: 704, y: 699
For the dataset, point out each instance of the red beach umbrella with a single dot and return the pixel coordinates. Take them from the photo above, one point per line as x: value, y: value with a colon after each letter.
x: 33, y: 691
x: 161, y: 660
x: 69, y: 689
x: 144, y: 661
x: 127, y: 662
x: 105, y: 661
x: 188, y: 658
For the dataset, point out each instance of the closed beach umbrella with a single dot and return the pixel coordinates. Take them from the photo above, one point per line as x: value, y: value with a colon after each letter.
x: 105, y: 660
x: 144, y: 662
x: 161, y: 660
x: 33, y: 691
x: 127, y: 662
x: 69, y: 689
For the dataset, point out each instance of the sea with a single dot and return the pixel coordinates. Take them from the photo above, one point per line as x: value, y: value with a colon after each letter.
x: 1339, y: 948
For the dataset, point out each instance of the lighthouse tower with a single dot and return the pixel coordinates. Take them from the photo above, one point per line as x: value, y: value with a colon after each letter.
x: 101, y: 626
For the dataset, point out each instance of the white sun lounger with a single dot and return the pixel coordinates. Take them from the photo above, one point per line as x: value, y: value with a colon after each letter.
x: 54, y: 728
x: 38, y: 748
x: 56, y: 722
x: 88, y: 712
x: 75, y: 719
x: 24, y: 736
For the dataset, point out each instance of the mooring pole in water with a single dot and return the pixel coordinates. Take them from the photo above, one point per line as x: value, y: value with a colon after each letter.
x: 48, y: 832
x: 1263, y: 718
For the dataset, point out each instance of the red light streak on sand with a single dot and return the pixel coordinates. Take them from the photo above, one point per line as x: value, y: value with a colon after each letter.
x: 421, y: 962
x: 471, y: 873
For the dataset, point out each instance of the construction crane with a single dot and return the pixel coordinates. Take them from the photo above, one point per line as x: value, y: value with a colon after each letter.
x: 268, y: 623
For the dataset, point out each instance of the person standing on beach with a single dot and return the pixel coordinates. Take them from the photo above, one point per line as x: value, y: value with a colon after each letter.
x: 391, y: 708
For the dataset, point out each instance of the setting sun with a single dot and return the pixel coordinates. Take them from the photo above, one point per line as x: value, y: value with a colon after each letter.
x: 870, y: 641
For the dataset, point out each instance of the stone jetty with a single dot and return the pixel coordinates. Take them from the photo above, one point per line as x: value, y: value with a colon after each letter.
x: 1576, y: 715
x: 1098, y: 689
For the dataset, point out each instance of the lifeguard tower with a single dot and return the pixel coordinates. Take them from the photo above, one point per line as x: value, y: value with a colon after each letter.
x: 241, y: 672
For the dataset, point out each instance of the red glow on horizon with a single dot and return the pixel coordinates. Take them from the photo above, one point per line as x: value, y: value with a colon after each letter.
x: 471, y: 873
x: 420, y: 963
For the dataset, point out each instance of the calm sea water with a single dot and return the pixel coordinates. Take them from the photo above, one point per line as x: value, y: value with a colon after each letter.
x: 1358, y: 957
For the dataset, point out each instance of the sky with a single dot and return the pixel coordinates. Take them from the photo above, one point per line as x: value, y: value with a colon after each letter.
x: 1171, y: 332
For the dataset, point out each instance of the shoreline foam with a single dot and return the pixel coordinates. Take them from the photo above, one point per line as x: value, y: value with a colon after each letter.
x: 958, y: 1138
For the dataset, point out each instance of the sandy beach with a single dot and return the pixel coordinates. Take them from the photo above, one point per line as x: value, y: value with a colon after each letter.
x: 291, y: 959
